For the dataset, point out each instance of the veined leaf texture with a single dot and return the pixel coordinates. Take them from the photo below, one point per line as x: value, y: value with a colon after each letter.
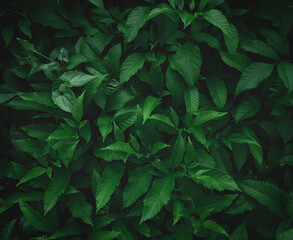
x: 148, y: 119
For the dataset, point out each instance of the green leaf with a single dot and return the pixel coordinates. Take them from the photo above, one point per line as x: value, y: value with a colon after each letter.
x: 205, y: 116
x: 174, y: 117
x: 239, y: 155
x: 161, y: 166
x: 178, y: 211
x: 232, y: 39
x: 243, y: 204
x: 285, y: 71
x: 284, y: 127
x: 118, y: 134
x: 243, y: 138
x: 138, y: 183
x: 32, y: 147
x: 162, y: 118
x: 286, y: 235
x: 76, y: 78
x: 187, y: 18
x: 108, y: 183
x: 215, y: 179
x: 253, y: 75
x: 217, y: 90
x: 91, y: 89
x: 46, y: 18
x: 7, y: 230
x: 218, y: 19
x: 187, y: 61
x: 77, y: 110
x: 162, y: 9
x: 212, y: 225
x: 240, y: 233
x: 76, y: 60
x: 71, y: 229
x: 105, y: 235
x: 191, y: 98
x: 120, y: 146
x: 213, y: 203
x: 267, y: 194
x: 260, y: 47
x: 277, y: 41
x: 105, y: 125
x: 35, y: 219
x: 210, y: 40
x: 189, y: 153
x: 158, y: 147
x: 111, y: 61
x: 38, y: 97
x: 80, y: 208
x: 64, y: 100
x: 97, y: 3
x: 135, y: 21
x: 7, y: 34
x: 125, y: 119
x: 118, y: 99
x: 33, y: 173
x: 235, y: 60
x: 175, y: 86
x: 288, y: 160
x: 130, y: 66
x: 247, y: 109
x: 59, y: 134
x: 158, y: 196
x: 150, y: 104
x: 177, y: 152
x: 56, y: 187
x: 99, y: 41
x: 25, y: 26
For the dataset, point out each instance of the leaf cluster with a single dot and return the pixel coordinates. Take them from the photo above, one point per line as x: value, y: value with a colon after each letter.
x: 146, y: 120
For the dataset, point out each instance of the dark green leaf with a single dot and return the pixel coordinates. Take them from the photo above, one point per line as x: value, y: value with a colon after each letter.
x: 138, y: 183
x: 177, y: 152
x: 56, y: 187
x: 267, y: 194
x: 130, y: 66
x: 79, y: 208
x: 259, y: 47
x: 135, y: 21
x: 253, y: 75
x: 108, y: 183
x: 36, y: 219
x: 218, y: 91
x: 158, y: 196
x: 187, y: 61
x: 285, y: 71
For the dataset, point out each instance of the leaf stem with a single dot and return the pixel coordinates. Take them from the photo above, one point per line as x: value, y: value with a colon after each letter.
x: 42, y: 55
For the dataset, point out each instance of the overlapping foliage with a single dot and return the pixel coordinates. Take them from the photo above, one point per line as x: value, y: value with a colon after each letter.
x: 146, y: 120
